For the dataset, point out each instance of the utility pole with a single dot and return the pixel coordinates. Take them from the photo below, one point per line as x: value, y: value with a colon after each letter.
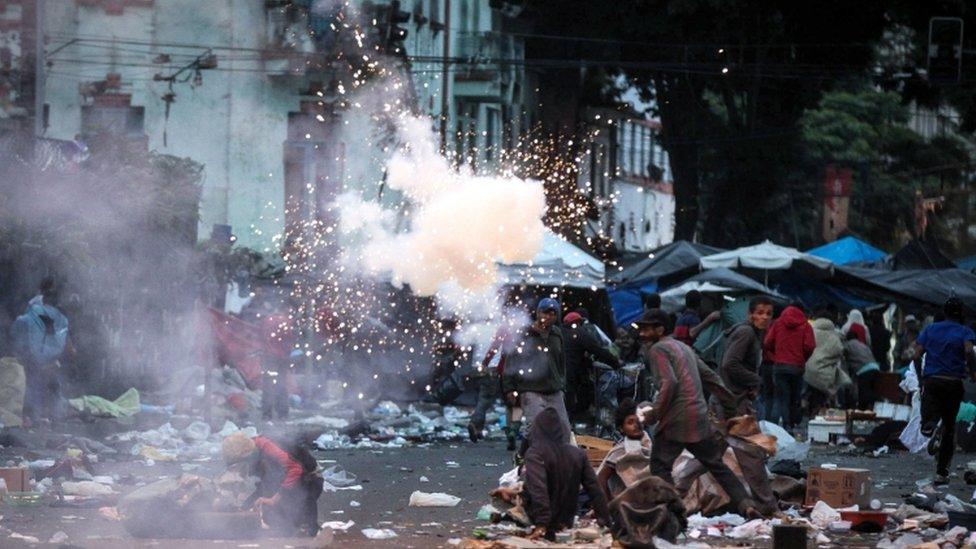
x: 39, y: 70
x: 445, y: 74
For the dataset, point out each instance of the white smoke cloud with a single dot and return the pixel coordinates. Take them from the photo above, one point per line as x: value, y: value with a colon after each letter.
x: 461, y: 224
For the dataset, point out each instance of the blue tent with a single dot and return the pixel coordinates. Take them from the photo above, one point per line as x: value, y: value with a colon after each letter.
x: 662, y: 267
x: 848, y: 250
x: 967, y: 263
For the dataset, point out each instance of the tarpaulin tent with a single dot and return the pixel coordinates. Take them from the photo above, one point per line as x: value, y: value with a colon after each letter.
x: 558, y: 263
x: 848, y: 250
x: 930, y: 287
x: 721, y: 281
x: 967, y: 263
x: 677, y: 257
x: 759, y: 260
x: 920, y: 255
x: 663, y: 266
x: 766, y: 256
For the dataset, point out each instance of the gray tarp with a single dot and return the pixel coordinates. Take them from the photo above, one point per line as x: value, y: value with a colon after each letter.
x: 925, y: 286
x: 674, y: 258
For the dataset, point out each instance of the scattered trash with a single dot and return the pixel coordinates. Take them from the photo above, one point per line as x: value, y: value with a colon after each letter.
x: 381, y: 533
x: 111, y: 513
x: 354, y: 503
x: 424, y: 479
x: 28, y: 539
x: 437, y: 499
x: 58, y: 537
x: 880, y: 451
x: 339, y: 525
x: 86, y: 488
x: 823, y: 514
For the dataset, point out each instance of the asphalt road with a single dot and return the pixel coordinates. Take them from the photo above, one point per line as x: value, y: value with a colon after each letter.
x: 388, y: 477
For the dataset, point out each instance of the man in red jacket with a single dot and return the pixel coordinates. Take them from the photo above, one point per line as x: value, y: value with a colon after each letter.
x: 790, y: 343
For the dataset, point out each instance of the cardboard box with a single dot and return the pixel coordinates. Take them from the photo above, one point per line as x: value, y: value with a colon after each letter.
x: 17, y: 478
x: 838, y: 487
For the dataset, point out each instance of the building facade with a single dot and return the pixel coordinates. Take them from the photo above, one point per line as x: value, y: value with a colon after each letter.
x: 627, y: 174
x: 239, y: 87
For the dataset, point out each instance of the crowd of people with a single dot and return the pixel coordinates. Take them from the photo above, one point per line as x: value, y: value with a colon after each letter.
x: 781, y: 367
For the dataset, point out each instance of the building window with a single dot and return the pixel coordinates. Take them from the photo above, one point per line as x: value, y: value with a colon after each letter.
x: 112, y: 115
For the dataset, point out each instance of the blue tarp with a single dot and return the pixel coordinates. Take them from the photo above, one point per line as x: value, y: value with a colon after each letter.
x: 626, y: 302
x: 848, y: 250
x: 967, y: 263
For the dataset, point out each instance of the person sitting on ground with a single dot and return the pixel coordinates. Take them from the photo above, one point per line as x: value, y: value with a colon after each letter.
x: 629, y: 459
x: 553, y: 473
x: 289, y: 484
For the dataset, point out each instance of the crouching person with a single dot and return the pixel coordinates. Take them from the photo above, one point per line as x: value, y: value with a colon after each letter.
x: 553, y: 473
x: 289, y: 484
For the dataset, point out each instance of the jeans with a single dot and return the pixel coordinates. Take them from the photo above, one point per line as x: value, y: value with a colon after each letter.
x: 533, y: 403
x: 42, y: 398
x: 788, y: 383
x: 941, y: 397
x: 709, y: 453
x: 489, y: 389
x: 766, y: 392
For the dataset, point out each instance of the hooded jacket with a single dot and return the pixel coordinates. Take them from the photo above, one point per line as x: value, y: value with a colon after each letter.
x: 823, y: 371
x: 554, y: 471
x: 740, y: 362
x: 790, y: 339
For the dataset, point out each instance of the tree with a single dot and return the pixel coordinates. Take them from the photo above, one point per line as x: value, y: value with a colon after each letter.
x: 865, y: 129
x: 730, y: 80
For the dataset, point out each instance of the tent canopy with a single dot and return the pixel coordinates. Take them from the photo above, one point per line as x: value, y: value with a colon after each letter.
x: 967, y: 263
x: 766, y: 256
x: 920, y: 255
x: 721, y: 280
x: 848, y: 250
x: 558, y: 263
x: 923, y: 286
x: 664, y: 261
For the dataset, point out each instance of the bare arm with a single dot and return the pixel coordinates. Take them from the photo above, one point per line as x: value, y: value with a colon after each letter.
x: 709, y: 320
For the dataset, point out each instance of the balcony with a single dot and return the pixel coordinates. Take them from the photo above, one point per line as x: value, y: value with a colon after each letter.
x: 487, y: 66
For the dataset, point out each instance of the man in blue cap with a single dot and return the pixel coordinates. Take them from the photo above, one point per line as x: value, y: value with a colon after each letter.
x: 535, y: 367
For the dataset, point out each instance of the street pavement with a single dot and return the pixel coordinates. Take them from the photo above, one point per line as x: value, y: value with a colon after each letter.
x: 388, y: 477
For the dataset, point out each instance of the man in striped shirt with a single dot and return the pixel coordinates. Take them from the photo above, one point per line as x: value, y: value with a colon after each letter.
x: 681, y: 412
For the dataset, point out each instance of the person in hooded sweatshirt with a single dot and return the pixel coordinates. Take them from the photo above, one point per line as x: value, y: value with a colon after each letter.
x: 790, y: 343
x: 822, y: 372
x: 553, y: 472
x: 743, y: 355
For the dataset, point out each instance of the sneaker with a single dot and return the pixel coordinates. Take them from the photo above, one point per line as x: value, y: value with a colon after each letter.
x: 941, y: 480
x: 511, y: 444
x: 472, y: 432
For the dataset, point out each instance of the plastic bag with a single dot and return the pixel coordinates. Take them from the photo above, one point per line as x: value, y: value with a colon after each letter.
x: 436, y: 499
x: 912, y: 437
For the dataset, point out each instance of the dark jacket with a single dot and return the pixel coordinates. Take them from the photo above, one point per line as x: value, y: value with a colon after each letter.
x: 790, y: 339
x: 535, y: 362
x: 553, y: 474
x: 582, y: 347
x: 743, y: 354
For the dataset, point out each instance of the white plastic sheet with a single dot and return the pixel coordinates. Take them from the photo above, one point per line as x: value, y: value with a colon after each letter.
x: 436, y: 499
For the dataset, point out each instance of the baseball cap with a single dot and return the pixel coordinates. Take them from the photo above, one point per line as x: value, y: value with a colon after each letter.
x: 910, y: 318
x: 572, y: 317
x: 653, y: 317
x: 547, y: 304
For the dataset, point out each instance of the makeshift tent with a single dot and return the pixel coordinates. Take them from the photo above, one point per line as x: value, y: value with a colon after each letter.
x: 558, y: 263
x: 967, y: 263
x: 920, y: 255
x: 766, y: 256
x: 720, y: 281
x: 930, y: 287
x: 663, y: 266
x: 757, y: 261
x: 677, y: 257
x: 848, y: 250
